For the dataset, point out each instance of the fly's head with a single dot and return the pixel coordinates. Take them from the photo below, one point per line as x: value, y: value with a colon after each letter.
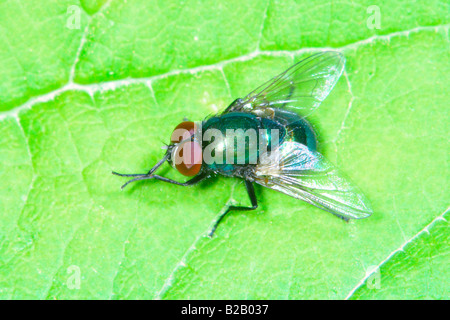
x: 185, y: 150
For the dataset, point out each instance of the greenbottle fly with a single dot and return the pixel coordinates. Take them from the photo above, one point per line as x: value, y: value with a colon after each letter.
x: 284, y: 156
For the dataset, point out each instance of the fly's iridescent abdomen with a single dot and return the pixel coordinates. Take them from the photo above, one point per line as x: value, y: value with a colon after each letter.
x: 298, y: 129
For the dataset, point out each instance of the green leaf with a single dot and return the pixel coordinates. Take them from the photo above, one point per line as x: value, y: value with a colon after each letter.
x: 77, y: 103
x: 424, y: 260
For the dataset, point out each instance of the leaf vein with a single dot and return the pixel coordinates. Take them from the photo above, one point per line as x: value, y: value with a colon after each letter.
x: 401, y: 248
x: 113, y: 84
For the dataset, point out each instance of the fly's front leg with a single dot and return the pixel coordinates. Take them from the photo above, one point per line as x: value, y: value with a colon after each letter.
x: 253, y: 200
x: 191, y: 182
x: 142, y: 175
x: 148, y: 176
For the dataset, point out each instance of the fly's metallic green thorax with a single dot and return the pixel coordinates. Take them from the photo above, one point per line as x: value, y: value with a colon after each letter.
x: 239, y: 123
x: 285, y: 126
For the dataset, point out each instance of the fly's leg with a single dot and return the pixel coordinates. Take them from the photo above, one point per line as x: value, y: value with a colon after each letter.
x: 254, y: 201
x: 139, y: 177
x: 191, y: 182
x: 142, y: 175
x: 232, y: 105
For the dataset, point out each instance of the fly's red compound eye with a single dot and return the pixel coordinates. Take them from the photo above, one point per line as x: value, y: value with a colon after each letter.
x: 183, y: 131
x: 188, y: 158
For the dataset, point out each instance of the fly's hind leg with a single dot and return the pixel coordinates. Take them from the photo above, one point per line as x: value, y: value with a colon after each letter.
x: 254, y: 201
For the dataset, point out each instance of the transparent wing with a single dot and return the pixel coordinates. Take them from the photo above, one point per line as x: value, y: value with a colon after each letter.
x: 307, y: 175
x: 301, y: 88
